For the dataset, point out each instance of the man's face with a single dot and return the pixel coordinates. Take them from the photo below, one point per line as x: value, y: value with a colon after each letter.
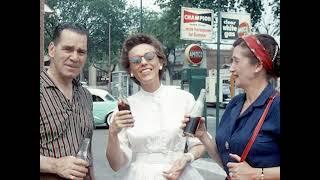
x: 69, y: 54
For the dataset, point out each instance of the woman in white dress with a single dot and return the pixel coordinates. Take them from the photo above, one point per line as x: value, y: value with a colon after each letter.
x: 147, y: 143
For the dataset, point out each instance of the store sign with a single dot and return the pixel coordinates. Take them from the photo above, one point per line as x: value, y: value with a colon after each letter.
x: 194, y: 54
x: 234, y: 25
x: 196, y: 24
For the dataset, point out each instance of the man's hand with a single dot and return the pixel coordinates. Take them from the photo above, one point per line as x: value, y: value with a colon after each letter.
x: 70, y: 167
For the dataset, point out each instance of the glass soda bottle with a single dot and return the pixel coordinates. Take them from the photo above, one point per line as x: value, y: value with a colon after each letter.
x: 195, y: 114
x: 83, y: 151
x: 123, y: 103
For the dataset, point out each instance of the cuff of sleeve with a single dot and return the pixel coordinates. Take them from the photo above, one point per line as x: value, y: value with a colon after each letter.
x: 191, y: 156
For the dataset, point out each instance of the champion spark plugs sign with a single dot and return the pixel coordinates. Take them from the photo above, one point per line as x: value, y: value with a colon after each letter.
x: 234, y: 25
x: 196, y: 24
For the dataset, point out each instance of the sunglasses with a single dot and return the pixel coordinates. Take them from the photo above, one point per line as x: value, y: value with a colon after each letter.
x: 136, y: 59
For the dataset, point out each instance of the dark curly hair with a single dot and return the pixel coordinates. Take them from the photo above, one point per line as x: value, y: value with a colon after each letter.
x: 273, y: 49
x: 75, y: 27
x: 137, y: 39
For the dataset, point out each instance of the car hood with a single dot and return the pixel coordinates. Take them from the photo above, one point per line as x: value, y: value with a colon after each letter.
x: 105, y: 107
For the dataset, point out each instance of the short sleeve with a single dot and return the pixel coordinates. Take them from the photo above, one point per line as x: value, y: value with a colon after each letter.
x: 193, y: 141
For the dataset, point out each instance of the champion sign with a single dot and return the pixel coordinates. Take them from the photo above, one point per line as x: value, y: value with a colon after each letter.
x: 196, y: 24
x: 193, y: 17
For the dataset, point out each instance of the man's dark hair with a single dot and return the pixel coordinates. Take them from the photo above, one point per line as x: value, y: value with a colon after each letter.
x: 75, y: 27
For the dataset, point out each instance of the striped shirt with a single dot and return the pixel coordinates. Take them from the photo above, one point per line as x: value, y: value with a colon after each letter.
x: 64, y: 123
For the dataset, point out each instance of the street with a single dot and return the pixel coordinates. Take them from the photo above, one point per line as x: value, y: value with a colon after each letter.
x: 103, y: 170
x: 101, y: 166
x: 211, y: 120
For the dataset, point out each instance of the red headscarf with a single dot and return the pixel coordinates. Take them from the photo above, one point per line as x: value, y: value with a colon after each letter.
x: 259, y: 51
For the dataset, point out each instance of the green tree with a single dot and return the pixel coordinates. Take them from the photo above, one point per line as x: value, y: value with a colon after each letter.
x: 270, y: 21
x: 255, y: 9
x: 276, y: 14
x: 95, y: 15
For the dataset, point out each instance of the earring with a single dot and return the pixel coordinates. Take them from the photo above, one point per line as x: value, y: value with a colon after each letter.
x: 160, y: 67
x: 131, y: 74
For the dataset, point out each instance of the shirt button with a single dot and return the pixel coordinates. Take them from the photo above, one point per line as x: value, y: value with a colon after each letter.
x: 226, y: 145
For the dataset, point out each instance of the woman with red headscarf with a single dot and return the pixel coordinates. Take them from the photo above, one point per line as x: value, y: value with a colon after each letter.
x: 247, y: 139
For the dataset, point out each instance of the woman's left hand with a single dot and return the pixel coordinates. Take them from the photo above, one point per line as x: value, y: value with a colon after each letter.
x: 240, y: 170
x: 176, y: 170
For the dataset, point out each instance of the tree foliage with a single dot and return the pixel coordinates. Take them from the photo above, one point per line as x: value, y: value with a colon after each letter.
x: 95, y: 16
x: 276, y: 8
x: 255, y: 9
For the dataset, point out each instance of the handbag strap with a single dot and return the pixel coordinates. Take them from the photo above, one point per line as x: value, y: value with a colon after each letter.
x: 258, y: 127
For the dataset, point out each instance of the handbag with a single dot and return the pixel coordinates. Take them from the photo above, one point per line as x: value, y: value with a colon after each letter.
x: 257, y: 129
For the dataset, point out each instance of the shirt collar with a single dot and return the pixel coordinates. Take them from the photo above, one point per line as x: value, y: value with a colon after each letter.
x: 47, y: 82
x: 156, y: 93
x: 262, y: 98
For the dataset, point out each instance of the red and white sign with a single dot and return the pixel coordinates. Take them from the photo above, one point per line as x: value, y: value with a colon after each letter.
x: 196, y: 24
x: 194, y: 54
x: 233, y: 26
x: 244, y: 29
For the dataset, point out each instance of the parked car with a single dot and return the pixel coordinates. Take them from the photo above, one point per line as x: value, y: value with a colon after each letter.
x: 103, y: 105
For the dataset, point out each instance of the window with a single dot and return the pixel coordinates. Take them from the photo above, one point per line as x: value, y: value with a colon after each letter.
x: 96, y: 98
x: 109, y: 98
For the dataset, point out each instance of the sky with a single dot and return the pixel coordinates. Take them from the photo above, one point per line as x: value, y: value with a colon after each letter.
x: 145, y: 4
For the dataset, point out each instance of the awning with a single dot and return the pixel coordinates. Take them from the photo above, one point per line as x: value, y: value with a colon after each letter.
x: 47, y: 9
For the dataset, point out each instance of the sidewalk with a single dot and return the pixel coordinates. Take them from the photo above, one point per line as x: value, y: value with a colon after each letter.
x: 209, y: 169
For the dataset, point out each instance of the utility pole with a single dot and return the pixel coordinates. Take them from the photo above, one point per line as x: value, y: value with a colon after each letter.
x: 218, y: 68
x: 41, y: 33
x: 109, y: 62
x: 140, y: 16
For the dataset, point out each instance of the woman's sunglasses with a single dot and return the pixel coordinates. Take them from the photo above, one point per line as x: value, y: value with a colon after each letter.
x: 136, y: 59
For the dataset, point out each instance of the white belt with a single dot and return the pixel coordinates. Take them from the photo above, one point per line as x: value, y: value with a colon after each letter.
x: 156, y: 157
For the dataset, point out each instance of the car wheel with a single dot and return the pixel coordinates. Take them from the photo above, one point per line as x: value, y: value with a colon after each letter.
x: 108, y: 119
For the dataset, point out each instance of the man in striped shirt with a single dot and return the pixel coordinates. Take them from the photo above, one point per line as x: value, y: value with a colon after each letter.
x: 65, y: 107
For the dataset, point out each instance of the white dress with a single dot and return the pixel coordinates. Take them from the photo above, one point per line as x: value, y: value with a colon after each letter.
x: 156, y: 140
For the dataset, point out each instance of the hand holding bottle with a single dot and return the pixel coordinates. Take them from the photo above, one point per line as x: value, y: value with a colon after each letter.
x: 122, y: 118
x: 123, y: 103
x: 200, y: 131
x: 70, y: 167
x: 195, y: 115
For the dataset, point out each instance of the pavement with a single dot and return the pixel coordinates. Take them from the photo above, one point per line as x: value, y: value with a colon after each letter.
x: 209, y: 169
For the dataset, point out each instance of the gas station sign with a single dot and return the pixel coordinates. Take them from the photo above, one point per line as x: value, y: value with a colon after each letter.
x: 194, y: 54
x: 196, y: 24
x: 233, y: 26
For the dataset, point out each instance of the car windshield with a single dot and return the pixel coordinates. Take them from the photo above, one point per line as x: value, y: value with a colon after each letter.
x: 96, y: 98
x: 110, y: 98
